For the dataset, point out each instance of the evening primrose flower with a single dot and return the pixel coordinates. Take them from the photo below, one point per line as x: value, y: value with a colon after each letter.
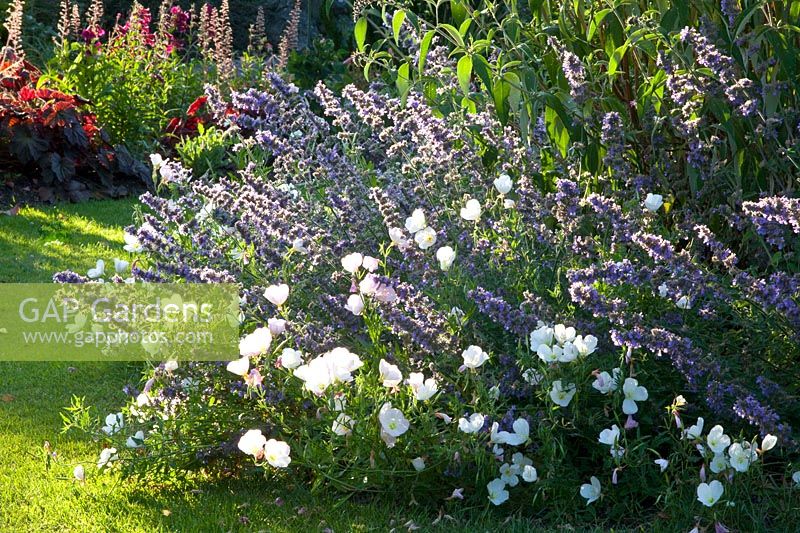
x: 98, y: 271
x: 277, y: 294
x: 768, y: 442
x: 653, y: 202
x: 519, y: 437
x: 136, y: 441
x: 709, y: 493
x: 471, y: 211
x: 114, y: 423
x: 541, y: 336
x: 352, y: 262
x: 585, y: 345
x: 79, y: 473
x: 717, y: 440
x: 343, y: 425
x: 549, y: 354
x: 497, y: 491
x: 121, y: 266
x: 683, y: 303
x: 425, y: 238
x: 473, y: 424
x: 252, y: 443
x: 446, y: 256
x: 796, y: 478
x: 563, y: 333
x: 718, y: 463
x: 663, y: 290
x: 741, y: 456
x: 591, y: 491
x: 107, y: 456
x: 562, y: 394
x: 390, y: 374
x: 610, y: 436
x: 291, y: 358
x: 171, y: 366
x: 509, y: 475
x: 633, y: 393
x: 418, y: 463
x: 239, y: 366
x: 299, y: 246
x: 398, y: 237
x: 568, y: 353
x: 423, y: 390
x: 371, y: 264
x: 694, y: 431
x: 503, y: 183
x: 529, y: 474
x: 416, y: 222
x: 355, y: 304
x: 474, y: 357
x: 277, y: 453
x: 255, y: 343
x: 392, y: 420
x: 132, y: 243
x: 662, y: 464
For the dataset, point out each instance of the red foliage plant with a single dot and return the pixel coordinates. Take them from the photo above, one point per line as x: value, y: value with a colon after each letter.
x: 49, y: 137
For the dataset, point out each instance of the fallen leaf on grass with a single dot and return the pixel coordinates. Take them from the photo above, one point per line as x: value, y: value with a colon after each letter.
x: 7, y: 398
x: 12, y: 212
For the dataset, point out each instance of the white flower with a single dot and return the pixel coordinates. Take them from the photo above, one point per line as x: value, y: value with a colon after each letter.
x: 276, y: 453
x: 541, y: 336
x: 352, y: 262
x: 709, y: 493
x: 398, y: 237
x: 591, y: 491
x: 662, y: 464
x: 156, y: 160
x: 276, y: 325
x: 252, y: 443
x: 355, y: 304
x: 568, y: 353
x: 121, y: 266
x: 717, y: 440
x: 474, y: 357
x: 508, y: 474
x: 585, y: 345
x: 255, y: 343
x: 683, y: 303
x: 742, y: 456
x: 609, y: 437
x: 343, y: 425
x: 114, y: 423
x: 695, y: 430
x: 563, y: 333
x: 277, y: 294
x: 239, y: 366
x: 416, y: 222
x: 508, y: 203
x: 606, y: 382
x: 392, y: 420
x: 663, y: 290
x: 471, y: 425
x: 98, y: 271
x: 424, y: 389
x: 532, y: 377
x: 633, y: 393
x: 425, y: 238
x: 520, y: 435
x: 370, y: 263
x: 291, y: 358
x: 390, y: 374
x: 445, y: 255
x: 719, y: 463
x: 79, y: 472
x: 796, y: 478
x: 107, y: 456
x: 503, y: 183
x: 653, y: 201
x: 132, y: 243
x: 171, y: 366
x: 331, y: 367
x: 418, y: 464
x: 497, y: 491
x: 299, y: 245
x: 768, y: 442
x: 471, y: 211
x: 136, y: 440
x: 549, y: 354
x: 529, y: 474
x: 561, y: 394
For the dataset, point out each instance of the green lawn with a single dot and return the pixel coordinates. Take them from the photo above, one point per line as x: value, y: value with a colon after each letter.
x: 39, y: 494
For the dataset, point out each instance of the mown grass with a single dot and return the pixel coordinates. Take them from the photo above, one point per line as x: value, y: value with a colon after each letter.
x: 37, y: 489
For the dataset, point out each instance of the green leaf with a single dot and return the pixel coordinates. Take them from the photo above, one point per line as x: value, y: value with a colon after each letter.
x: 464, y: 70
x: 484, y: 72
x: 403, y: 79
x: 452, y: 34
x: 458, y: 11
x: 360, y: 32
x: 501, y: 91
x: 616, y: 58
x: 397, y: 21
x: 424, y: 47
x: 595, y: 23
